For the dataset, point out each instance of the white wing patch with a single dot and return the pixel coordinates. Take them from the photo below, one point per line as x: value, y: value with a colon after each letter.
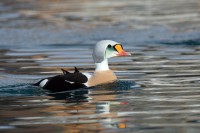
x: 43, y: 82
x: 70, y: 82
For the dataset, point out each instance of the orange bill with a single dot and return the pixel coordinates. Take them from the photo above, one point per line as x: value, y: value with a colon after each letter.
x: 118, y: 48
x: 121, y: 52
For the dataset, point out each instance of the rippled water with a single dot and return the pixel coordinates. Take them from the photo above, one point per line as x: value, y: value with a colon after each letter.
x: 158, y: 91
x: 157, y: 88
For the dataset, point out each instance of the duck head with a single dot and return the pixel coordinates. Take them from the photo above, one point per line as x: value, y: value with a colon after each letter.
x: 106, y: 49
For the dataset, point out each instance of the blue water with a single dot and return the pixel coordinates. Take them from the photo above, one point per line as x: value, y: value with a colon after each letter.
x: 157, y: 88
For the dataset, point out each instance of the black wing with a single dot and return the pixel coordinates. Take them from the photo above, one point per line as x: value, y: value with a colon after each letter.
x: 65, y: 82
x: 76, y: 77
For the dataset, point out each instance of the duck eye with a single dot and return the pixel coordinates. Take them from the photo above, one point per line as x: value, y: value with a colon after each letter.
x: 109, y: 46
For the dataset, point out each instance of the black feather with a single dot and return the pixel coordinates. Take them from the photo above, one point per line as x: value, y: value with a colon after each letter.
x: 58, y: 84
x: 65, y: 82
x: 76, y: 70
x: 64, y: 71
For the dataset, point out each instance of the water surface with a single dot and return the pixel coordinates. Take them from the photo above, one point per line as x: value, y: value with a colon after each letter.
x: 157, y: 88
x: 158, y: 91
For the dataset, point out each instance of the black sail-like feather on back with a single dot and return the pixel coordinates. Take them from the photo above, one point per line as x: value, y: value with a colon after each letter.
x: 64, y: 71
x: 76, y: 70
x: 76, y: 77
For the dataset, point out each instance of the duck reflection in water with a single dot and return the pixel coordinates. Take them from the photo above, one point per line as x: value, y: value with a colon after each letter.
x: 98, y: 102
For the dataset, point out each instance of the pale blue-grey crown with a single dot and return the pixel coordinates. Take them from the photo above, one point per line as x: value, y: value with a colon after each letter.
x: 99, y: 52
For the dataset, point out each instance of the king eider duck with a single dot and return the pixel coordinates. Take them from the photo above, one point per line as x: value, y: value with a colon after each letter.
x: 69, y: 81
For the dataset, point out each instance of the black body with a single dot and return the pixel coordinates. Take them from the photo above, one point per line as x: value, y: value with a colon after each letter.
x: 65, y: 82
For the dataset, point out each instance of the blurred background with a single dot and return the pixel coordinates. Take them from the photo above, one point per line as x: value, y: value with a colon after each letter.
x: 46, y: 21
x: 137, y: 14
x: 158, y: 88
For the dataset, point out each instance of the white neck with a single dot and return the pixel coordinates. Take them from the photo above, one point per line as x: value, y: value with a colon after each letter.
x: 102, y: 66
